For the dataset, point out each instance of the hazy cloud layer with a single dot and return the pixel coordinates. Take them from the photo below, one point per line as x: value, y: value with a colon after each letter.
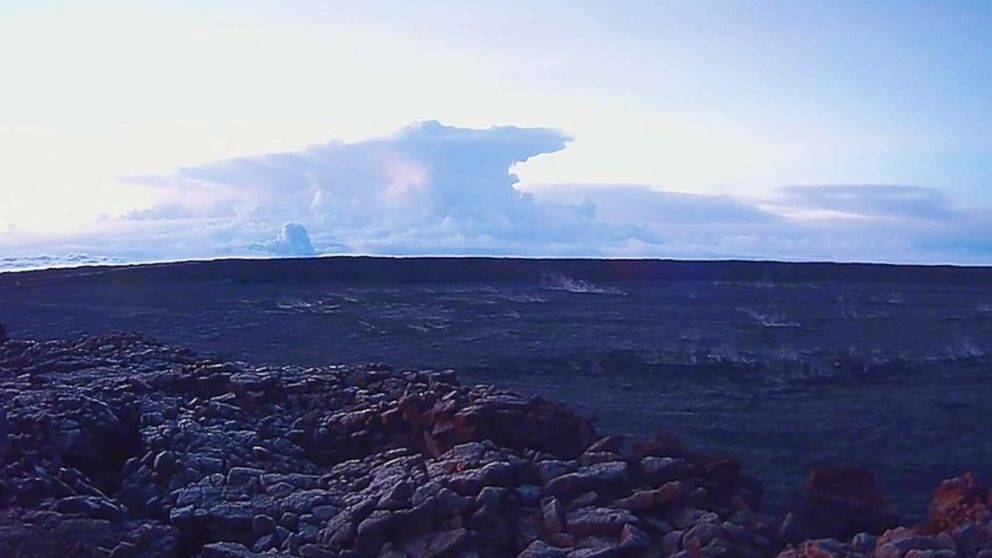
x: 435, y: 189
x: 900, y: 202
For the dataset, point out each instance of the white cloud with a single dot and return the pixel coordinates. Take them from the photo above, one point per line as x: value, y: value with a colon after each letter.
x: 293, y: 240
x: 435, y: 189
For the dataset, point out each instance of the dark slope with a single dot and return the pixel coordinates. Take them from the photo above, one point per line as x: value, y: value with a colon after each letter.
x: 359, y: 270
x: 860, y: 366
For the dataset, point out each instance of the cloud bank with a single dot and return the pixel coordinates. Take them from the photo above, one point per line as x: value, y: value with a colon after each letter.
x: 436, y: 189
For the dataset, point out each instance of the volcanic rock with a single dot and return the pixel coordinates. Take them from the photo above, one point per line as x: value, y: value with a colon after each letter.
x: 958, y: 501
x: 122, y: 447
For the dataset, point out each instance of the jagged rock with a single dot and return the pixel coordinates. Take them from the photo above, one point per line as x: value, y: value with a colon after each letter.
x: 531, y: 424
x: 958, y: 501
x: 118, y: 446
x: 554, y: 516
x: 600, y: 477
x: 599, y: 521
x: 633, y: 539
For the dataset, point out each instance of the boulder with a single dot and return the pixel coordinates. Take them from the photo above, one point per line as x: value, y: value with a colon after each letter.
x: 514, y: 423
x: 599, y: 521
x: 553, y: 515
x: 839, y: 502
x: 958, y: 501
x: 611, y: 476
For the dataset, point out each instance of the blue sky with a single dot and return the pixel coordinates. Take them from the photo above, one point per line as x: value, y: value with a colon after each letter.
x: 826, y: 130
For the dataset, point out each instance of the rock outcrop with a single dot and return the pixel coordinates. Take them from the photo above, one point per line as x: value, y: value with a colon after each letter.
x: 960, y: 524
x: 119, y: 447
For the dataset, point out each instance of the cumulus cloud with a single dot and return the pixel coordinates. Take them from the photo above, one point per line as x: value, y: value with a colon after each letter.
x: 426, y: 172
x: 436, y: 189
x: 428, y: 187
x: 293, y: 240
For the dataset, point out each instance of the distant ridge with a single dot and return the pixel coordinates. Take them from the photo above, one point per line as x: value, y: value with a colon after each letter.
x: 379, y: 270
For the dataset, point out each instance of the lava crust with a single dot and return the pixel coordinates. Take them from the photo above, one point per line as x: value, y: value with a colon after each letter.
x: 122, y: 447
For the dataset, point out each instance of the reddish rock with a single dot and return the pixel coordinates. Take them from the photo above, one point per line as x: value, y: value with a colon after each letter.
x: 514, y: 423
x: 957, y: 501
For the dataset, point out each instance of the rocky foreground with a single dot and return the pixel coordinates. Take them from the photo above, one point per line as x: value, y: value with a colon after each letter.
x: 118, y: 446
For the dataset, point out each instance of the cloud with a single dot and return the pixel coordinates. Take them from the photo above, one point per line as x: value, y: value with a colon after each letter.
x: 425, y: 172
x: 428, y: 187
x: 633, y: 203
x: 892, y: 201
x: 293, y: 240
x: 436, y: 189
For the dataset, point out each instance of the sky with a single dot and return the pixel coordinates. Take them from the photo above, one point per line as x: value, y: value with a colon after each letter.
x: 791, y: 130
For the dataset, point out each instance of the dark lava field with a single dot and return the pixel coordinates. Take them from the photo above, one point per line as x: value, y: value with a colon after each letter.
x: 783, y: 366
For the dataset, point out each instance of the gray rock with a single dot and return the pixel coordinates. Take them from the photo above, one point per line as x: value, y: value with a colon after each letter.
x: 553, y: 515
x: 541, y: 549
x: 599, y: 521
x: 91, y: 506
